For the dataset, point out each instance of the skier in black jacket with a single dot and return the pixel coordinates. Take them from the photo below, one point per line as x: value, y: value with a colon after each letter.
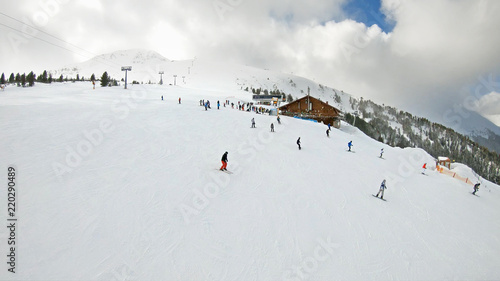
x: 224, y: 162
x: 476, y: 188
x: 298, y: 143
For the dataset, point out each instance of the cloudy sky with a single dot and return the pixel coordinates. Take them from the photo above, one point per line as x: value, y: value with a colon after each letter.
x: 431, y: 57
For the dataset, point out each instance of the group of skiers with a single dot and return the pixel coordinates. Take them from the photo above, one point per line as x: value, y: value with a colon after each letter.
x: 383, y: 185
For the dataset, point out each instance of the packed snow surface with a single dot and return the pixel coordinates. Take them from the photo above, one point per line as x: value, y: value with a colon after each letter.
x: 115, y: 184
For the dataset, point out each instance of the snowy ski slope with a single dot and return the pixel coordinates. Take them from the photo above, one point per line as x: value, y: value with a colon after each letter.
x: 117, y: 184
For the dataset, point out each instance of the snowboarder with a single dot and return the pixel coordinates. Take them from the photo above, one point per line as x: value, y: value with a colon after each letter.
x: 218, y: 104
x: 424, y: 167
x: 381, y: 152
x: 253, y: 123
x: 224, y: 162
x: 327, y: 132
x: 272, y: 127
x: 476, y: 188
x: 279, y: 120
x: 349, y: 145
x: 298, y: 143
x: 381, y: 190
x: 179, y: 100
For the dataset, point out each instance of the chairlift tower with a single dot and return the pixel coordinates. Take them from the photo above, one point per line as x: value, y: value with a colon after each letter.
x: 161, y: 77
x: 126, y: 68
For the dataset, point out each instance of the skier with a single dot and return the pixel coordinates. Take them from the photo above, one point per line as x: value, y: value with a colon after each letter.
x: 381, y: 152
x: 272, y: 127
x: 218, y: 104
x: 253, y: 123
x: 424, y: 167
x: 329, y: 127
x: 93, y: 84
x: 161, y: 97
x: 179, y: 100
x: 224, y: 162
x: 278, y: 118
x: 206, y: 106
x: 349, y: 145
x: 476, y: 188
x: 381, y: 190
x: 327, y: 132
x: 298, y: 143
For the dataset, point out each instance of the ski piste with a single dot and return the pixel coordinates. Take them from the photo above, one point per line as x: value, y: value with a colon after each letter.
x: 198, y: 215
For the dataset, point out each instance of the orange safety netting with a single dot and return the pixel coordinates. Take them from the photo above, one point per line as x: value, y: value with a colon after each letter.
x: 444, y: 171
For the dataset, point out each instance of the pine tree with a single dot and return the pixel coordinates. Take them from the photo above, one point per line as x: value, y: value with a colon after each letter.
x: 77, y: 77
x: 92, y: 78
x: 11, y: 78
x: 104, y: 79
x: 61, y: 78
x: 2, y: 79
x: 18, y: 78
x: 50, y: 78
x: 31, y: 79
x: 23, y: 80
x: 44, y: 78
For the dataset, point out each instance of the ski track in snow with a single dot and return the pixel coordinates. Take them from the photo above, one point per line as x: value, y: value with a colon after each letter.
x: 117, y: 215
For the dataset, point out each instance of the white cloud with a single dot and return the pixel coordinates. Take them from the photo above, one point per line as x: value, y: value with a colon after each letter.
x: 489, y: 106
x: 436, y: 47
